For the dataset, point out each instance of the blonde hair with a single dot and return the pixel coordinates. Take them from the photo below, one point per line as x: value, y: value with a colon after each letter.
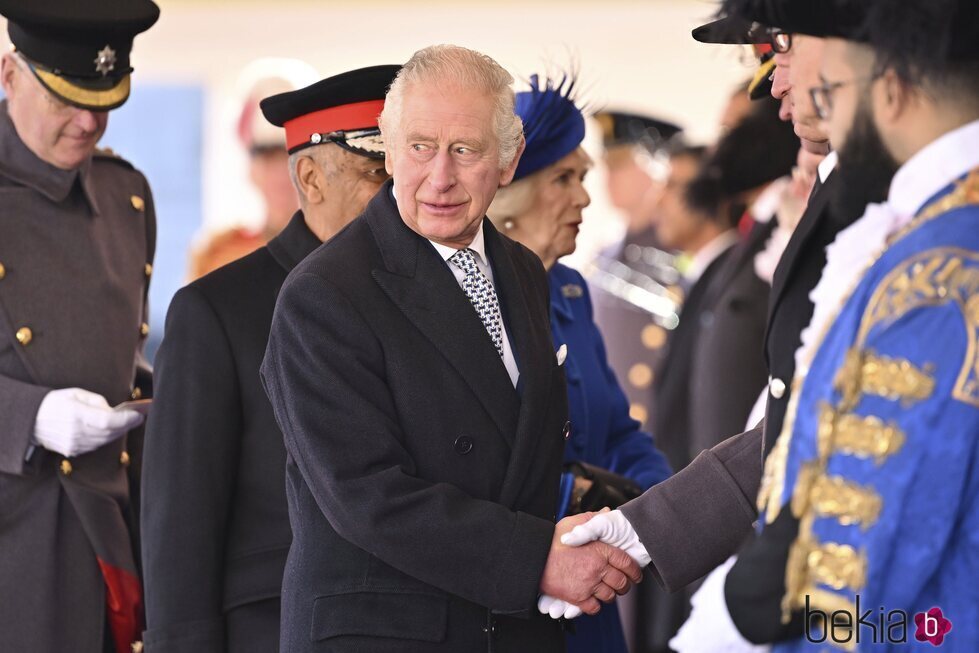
x: 513, y: 201
x: 451, y: 65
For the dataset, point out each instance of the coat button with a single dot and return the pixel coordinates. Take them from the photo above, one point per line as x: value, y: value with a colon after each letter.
x: 66, y: 467
x: 777, y: 388
x: 137, y: 202
x: 24, y: 336
x: 463, y: 445
x: 148, y: 270
x: 566, y: 432
x: 3, y: 271
x: 144, y: 329
x: 124, y: 459
x: 137, y: 393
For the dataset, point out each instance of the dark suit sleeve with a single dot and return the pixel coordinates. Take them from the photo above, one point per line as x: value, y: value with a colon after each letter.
x: 19, y: 402
x: 693, y: 521
x: 190, y: 455
x: 324, y: 371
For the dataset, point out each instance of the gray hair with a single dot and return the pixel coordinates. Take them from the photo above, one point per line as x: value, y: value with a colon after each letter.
x: 454, y: 65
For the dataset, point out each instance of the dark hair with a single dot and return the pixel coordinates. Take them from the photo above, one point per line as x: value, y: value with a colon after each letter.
x: 759, y: 149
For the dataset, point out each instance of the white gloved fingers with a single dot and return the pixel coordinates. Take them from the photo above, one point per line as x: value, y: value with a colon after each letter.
x: 544, y: 603
x: 572, y: 612
x: 591, y: 530
x: 86, y: 397
x: 106, y: 423
x: 557, y: 609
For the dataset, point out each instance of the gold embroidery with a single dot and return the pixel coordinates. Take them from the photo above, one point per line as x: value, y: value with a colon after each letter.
x: 865, y: 373
x: 833, y: 496
x: 853, y: 435
x: 773, y: 480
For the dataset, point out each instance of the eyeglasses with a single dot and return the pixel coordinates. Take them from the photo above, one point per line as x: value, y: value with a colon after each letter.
x: 781, y: 41
x: 822, y: 95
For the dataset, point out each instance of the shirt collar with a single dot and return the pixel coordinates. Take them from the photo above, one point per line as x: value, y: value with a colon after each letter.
x: 827, y: 165
x: 478, y: 246
x: 934, y: 167
x: 709, y: 253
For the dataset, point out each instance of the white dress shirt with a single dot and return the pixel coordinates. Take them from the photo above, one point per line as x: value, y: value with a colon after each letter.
x: 478, y: 247
x: 708, y: 253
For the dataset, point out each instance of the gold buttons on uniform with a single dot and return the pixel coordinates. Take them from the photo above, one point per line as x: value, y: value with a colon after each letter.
x: 3, y: 272
x: 124, y: 459
x: 137, y: 647
x: 653, y: 336
x: 640, y: 375
x: 777, y: 388
x: 24, y: 336
x: 66, y: 467
x: 136, y: 393
x: 148, y: 269
x: 638, y: 413
x: 138, y: 202
x: 144, y: 329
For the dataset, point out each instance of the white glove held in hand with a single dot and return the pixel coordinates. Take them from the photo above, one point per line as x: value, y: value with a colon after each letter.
x: 613, y: 529
x: 75, y: 421
x: 557, y: 608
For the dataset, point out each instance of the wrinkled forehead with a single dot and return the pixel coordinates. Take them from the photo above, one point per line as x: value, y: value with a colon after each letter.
x: 439, y: 111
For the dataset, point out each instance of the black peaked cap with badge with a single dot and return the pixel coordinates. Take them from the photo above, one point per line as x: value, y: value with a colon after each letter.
x: 342, y: 109
x: 737, y: 30
x: 621, y: 128
x: 820, y: 18
x: 79, y: 49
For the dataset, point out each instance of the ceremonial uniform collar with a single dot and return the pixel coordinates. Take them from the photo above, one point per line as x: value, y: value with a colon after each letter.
x: 19, y: 163
x: 934, y: 167
x: 294, y: 243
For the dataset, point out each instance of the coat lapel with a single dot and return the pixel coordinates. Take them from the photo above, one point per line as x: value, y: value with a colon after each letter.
x: 294, y: 243
x: 421, y: 285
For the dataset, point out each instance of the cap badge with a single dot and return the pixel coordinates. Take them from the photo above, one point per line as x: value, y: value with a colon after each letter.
x: 106, y: 61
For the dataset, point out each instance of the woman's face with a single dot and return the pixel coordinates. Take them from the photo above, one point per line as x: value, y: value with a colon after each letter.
x: 550, y: 225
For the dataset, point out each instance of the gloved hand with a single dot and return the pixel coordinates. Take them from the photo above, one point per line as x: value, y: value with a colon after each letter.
x: 612, y: 528
x: 73, y: 421
x: 557, y: 608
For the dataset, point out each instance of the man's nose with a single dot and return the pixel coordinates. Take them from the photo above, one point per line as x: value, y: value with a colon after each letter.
x: 442, y: 175
x: 780, y: 81
x: 87, y: 121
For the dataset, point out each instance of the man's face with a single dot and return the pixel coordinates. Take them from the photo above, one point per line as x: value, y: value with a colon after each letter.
x: 351, y: 181
x: 445, y: 160
x: 58, y: 133
x: 628, y: 183
x: 796, y: 71
x: 268, y: 170
x: 677, y: 226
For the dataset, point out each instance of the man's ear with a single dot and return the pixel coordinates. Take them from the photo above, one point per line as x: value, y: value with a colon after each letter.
x: 506, y: 175
x: 8, y: 70
x: 388, y: 160
x: 309, y: 178
x: 892, y: 98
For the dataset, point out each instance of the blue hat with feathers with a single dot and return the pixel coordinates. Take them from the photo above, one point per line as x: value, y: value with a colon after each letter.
x: 553, y: 125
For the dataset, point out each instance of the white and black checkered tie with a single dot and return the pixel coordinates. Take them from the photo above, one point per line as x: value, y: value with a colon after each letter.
x: 481, y: 293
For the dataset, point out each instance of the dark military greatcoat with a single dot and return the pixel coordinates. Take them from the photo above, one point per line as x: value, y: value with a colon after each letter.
x: 75, y: 258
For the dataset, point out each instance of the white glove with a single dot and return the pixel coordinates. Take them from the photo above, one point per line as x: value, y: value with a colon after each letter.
x: 557, y: 608
x: 709, y: 628
x: 613, y: 529
x: 75, y: 421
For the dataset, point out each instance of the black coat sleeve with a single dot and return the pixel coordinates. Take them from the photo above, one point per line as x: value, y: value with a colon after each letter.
x: 325, y: 374
x: 190, y: 463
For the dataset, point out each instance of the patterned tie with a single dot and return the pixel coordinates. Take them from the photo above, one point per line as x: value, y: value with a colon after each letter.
x: 482, y: 295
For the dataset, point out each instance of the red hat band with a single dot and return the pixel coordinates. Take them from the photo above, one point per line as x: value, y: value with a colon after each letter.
x: 346, y: 117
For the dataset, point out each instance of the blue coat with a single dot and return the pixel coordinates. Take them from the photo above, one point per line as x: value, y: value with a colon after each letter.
x: 602, y: 433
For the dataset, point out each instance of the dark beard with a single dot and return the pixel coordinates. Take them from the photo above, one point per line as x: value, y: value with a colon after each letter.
x: 865, y: 168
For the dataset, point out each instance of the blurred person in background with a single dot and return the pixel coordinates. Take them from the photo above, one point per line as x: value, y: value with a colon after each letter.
x: 215, y: 518
x: 77, y: 237
x: 268, y: 170
x: 608, y: 459
x: 635, y: 159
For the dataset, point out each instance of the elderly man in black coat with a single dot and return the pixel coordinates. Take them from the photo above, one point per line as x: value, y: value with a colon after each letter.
x: 215, y: 521
x: 424, y: 409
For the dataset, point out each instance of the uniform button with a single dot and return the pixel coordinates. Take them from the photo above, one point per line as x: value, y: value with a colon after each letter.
x: 463, y: 445
x: 137, y: 647
x: 566, y: 432
x: 3, y: 271
x: 640, y: 375
x: 66, y: 467
x: 124, y: 459
x: 136, y: 393
x: 24, y: 336
x: 138, y: 202
x: 144, y: 329
x: 777, y: 388
x: 148, y: 269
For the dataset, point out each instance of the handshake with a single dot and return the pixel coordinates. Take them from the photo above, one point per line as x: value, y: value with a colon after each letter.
x: 593, y: 557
